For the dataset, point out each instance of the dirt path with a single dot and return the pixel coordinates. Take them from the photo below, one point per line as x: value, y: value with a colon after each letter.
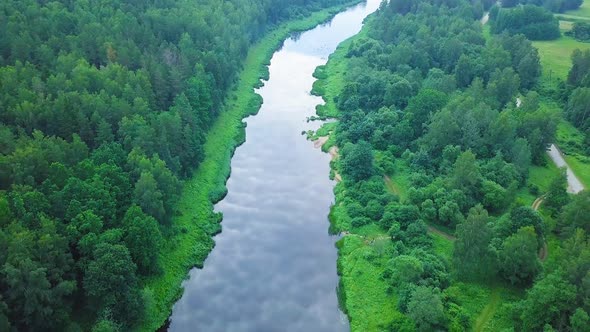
x: 488, y: 312
x: 392, y: 187
x: 485, y: 18
x: 441, y: 233
x: 318, y: 143
x: 574, y: 185
x: 544, y: 251
x: 537, y: 203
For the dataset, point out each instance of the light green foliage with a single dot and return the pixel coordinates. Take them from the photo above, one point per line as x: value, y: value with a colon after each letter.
x: 406, y: 269
x: 580, y: 321
x: 106, y: 325
x: 367, y: 301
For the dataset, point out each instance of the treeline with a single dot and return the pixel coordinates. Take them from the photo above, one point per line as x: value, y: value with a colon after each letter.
x: 556, y: 6
x: 535, y: 22
x: 575, y: 95
x: 104, y: 106
x: 580, y: 31
x: 425, y: 89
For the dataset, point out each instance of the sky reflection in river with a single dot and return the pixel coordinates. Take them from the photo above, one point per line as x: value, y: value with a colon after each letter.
x: 274, y: 264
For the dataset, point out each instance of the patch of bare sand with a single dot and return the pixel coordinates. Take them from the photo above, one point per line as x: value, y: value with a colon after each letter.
x: 318, y: 143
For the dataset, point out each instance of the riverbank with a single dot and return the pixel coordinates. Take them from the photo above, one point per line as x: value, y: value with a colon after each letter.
x: 363, y: 293
x: 369, y: 300
x: 196, y: 223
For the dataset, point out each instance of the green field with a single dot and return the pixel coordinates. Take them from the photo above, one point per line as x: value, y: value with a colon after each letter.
x: 196, y: 223
x: 556, y: 54
x: 364, y: 294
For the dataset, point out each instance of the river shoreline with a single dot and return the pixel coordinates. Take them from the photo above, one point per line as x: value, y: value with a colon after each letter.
x: 197, y: 223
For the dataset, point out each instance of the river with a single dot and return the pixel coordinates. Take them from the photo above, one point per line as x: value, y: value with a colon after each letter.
x: 274, y: 264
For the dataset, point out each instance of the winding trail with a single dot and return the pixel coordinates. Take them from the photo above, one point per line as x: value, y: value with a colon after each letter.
x: 441, y: 233
x: 485, y: 18
x: 544, y: 251
x: 488, y: 312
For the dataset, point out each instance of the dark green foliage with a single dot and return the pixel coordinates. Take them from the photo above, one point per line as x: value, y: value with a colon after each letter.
x: 518, y: 258
x: 576, y: 214
x: 426, y: 309
x: 578, y: 108
x: 577, y: 95
x: 105, y: 105
x: 357, y: 161
x: 580, y: 68
x: 556, y: 6
x: 557, y: 195
x: 473, y: 256
x: 580, y: 321
x: 111, y: 284
x: 143, y: 239
x: 552, y: 292
x: 580, y: 31
x: 532, y: 21
x: 524, y: 216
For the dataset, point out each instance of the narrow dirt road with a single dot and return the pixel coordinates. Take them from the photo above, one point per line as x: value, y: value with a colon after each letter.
x: 544, y: 251
x: 574, y: 185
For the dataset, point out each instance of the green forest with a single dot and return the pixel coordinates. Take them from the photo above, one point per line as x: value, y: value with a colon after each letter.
x: 442, y: 132
x: 118, y: 120
x: 104, y: 111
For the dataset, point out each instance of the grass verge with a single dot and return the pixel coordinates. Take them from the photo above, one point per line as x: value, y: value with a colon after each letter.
x: 556, y: 56
x: 571, y: 142
x: 196, y: 222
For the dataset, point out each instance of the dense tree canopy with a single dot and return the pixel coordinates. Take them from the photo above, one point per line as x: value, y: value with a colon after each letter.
x: 532, y: 21
x: 435, y: 102
x: 104, y: 110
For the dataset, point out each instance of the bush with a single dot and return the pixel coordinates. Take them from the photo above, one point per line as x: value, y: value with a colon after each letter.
x: 360, y: 221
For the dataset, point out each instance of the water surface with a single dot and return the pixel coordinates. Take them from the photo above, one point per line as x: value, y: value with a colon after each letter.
x: 274, y: 265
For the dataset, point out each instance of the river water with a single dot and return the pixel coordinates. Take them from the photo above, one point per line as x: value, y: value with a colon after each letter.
x: 274, y: 265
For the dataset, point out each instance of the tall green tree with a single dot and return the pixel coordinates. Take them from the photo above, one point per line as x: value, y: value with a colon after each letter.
x: 143, y: 238
x: 111, y: 284
x: 519, y: 262
x: 357, y: 161
x: 472, y: 254
x: 426, y: 309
